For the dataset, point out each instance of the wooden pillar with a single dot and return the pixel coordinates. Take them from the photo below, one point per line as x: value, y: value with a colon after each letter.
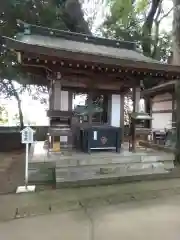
x: 150, y: 113
x: 173, y: 109
x: 70, y: 140
x: 177, y: 95
x: 70, y: 100
x: 109, y: 110
x: 148, y: 109
x: 122, y: 116
x: 57, y: 95
x: 51, y: 96
x: 136, y: 100
x: 89, y: 102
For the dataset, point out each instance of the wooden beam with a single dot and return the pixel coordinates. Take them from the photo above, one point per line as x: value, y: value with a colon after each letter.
x: 163, y: 111
x: 89, y: 72
x: 83, y: 76
x: 131, y: 73
x: 77, y: 82
x: 86, y: 90
x: 162, y: 100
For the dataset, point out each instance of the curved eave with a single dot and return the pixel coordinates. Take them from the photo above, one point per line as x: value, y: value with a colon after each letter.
x: 140, y: 66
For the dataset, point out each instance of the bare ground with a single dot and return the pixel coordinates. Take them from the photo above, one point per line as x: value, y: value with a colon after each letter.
x: 11, y: 171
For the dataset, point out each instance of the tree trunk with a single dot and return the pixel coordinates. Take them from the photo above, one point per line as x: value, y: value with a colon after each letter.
x: 21, y: 120
x: 147, y: 28
x: 176, y: 33
x: 176, y: 61
x: 75, y: 18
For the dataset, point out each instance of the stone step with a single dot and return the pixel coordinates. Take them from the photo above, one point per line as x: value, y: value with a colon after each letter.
x: 116, y: 180
x: 80, y: 173
x: 41, y: 172
x: 166, y: 165
x: 65, y: 161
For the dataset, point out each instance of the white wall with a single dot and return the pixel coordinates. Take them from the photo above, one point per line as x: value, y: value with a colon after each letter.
x: 61, y: 99
x: 161, y: 121
x: 115, y: 110
x: 165, y: 96
x: 64, y: 101
x: 157, y: 106
x: 64, y: 107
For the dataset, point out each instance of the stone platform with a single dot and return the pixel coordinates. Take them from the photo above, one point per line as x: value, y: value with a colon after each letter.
x: 81, y: 168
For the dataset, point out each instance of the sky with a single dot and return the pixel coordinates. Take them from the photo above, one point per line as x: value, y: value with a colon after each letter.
x: 33, y: 110
x: 89, y: 7
x: 166, y: 23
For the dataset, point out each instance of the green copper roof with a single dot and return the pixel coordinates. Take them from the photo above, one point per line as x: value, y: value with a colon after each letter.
x: 85, y: 110
x: 141, y: 116
x: 80, y: 43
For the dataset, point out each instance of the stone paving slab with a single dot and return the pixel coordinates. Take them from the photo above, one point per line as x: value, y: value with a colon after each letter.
x: 39, y: 154
x: 150, y: 219
x: 65, y: 226
x: 23, y: 205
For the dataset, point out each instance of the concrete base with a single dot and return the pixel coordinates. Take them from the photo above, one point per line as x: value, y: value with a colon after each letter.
x: 26, y: 189
x: 77, y: 167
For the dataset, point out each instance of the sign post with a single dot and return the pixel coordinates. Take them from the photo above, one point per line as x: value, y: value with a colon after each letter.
x: 26, y: 164
x: 27, y: 137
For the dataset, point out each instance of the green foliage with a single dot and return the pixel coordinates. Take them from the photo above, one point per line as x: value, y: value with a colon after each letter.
x: 163, y: 46
x: 59, y: 14
x: 3, y: 115
x: 122, y: 8
x: 116, y: 29
x: 126, y: 21
x: 51, y: 13
x: 141, y: 6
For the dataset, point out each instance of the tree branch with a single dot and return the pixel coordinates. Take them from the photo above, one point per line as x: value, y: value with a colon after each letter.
x: 166, y: 14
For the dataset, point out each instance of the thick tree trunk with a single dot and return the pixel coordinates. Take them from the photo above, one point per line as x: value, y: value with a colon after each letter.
x: 176, y: 61
x: 176, y: 33
x: 147, y: 28
x: 21, y: 119
x: 75, y: 19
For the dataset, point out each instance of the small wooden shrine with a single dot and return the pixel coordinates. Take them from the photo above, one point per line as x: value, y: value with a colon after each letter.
x: 162, y: 105
x: 69, y: 63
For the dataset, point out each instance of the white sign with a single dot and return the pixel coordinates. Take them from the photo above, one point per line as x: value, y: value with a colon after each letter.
x: 95, y: 135
x: 26, y: 138
x: 27, y: 135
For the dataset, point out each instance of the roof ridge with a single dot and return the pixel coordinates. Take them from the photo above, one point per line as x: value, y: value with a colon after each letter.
x: 29, y: 29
